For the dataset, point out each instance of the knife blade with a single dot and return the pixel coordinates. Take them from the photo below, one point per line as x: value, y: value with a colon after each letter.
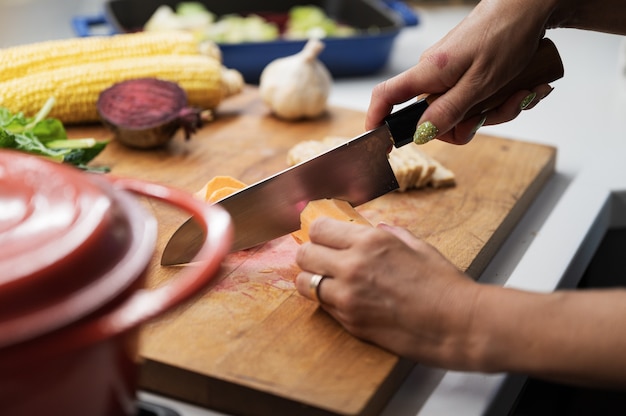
x: 357, y: 171
x: 276, y: 202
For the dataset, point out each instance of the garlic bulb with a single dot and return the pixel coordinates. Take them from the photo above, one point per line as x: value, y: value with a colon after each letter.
x: 297, y: 86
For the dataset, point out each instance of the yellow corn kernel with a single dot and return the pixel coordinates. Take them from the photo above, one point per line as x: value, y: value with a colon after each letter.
x: 22, y: 60
x: 77, y: 88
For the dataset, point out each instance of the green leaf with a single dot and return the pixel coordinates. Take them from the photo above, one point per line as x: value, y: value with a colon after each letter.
x: 82, y: 156
x: 44, y: 136
x: 49, y: 129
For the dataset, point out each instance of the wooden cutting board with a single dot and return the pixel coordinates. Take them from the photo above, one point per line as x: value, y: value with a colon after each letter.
x: 250, y: 344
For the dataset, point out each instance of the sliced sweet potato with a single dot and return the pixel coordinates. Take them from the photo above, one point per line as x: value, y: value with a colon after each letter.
x: 226, y: 185
x: 222, y: 193
x: 333, y: 208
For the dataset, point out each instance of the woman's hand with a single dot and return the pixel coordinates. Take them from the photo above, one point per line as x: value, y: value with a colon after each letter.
x: 483, y: 53
x: 386, y: 286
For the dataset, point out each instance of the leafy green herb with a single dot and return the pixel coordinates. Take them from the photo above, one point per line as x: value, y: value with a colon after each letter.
x: 47, y: 137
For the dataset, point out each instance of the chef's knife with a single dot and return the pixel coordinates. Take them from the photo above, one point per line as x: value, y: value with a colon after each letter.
x: 356, y: 171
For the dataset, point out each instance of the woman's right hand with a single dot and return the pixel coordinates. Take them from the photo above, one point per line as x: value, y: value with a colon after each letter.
x: 493, y: 44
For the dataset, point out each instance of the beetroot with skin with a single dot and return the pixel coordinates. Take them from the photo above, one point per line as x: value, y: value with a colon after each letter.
x: 146, y: 112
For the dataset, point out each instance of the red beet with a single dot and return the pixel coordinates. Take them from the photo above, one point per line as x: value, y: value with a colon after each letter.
x: 146, y: 112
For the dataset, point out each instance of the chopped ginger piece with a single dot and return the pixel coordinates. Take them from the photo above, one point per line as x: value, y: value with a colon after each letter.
x: 413, y: 167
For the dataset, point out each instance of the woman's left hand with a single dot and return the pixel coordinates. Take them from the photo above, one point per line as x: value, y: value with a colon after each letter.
x: 388, y: 287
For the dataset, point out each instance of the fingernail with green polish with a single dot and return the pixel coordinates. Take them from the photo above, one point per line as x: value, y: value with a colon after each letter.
x: 479, y: 125
x: 527, y: 100
x: 425, y: 132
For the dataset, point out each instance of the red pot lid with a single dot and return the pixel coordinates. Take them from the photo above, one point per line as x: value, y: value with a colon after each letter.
x: 68, y: 245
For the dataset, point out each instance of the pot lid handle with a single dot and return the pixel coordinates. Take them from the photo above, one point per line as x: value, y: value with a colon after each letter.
x: 147, y: 304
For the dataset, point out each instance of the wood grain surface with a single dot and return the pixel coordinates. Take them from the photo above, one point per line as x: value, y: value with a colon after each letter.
x: 250, y: 344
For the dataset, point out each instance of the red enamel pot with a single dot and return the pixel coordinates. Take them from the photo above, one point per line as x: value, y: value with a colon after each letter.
x: 74, y: 254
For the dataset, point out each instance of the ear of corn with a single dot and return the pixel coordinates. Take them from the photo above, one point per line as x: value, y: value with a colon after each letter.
x: 76, y: 71
x: 22, y: 60
x: 76, y: 89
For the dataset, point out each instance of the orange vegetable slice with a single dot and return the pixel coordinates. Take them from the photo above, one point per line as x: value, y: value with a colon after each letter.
x: 333, y: 208
x: 218, y: 187
x: 222, y: 193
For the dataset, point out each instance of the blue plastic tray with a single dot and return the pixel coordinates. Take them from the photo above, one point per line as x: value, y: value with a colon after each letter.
x: 344, y: 57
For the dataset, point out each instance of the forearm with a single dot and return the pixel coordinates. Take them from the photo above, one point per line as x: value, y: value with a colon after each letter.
x: 567, y: 336
x: 599, y: 15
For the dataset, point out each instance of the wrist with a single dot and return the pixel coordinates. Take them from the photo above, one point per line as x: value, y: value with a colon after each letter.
x: 602, y: 16
x: 465, y: 345
x: 479, y: 340
x: 565, y: 14
x: 493, y: 341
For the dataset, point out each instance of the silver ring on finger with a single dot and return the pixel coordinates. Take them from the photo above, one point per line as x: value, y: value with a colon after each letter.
x: 314, y: 286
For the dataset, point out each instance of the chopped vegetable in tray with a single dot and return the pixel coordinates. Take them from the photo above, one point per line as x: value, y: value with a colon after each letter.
x: 310, y: 21
x: 47, y: 137
x: 301, y: 22
x: 237, y: 29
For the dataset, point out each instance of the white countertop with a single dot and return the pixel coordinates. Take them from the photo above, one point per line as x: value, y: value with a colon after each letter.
x: 585, y: 118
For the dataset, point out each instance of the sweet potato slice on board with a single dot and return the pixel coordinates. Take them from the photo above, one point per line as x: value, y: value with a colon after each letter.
x: 333, y: 208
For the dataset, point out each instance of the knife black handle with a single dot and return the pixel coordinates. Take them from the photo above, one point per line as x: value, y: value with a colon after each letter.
x: 544, y: 67
x: 403, y: 123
